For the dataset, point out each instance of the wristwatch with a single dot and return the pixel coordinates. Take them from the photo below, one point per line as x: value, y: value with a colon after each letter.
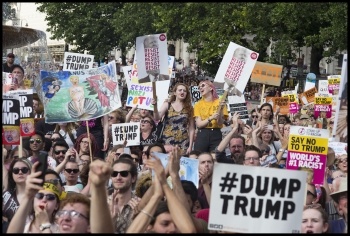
x: 44, y: 226
x: 281, y: 150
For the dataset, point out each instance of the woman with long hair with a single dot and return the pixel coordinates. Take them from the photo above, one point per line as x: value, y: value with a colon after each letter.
x: 179, y: 125
x: 13, y: 196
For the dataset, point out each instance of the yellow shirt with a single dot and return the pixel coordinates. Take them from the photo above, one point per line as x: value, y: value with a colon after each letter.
x: 204, y: 109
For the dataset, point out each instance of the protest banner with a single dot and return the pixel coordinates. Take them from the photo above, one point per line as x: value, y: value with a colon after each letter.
x: 236, y: 66
x: 238, y: 103
x: 129, y: 132
x: 10, y: 119
x: 266, y: 73
x: 143, y: 98
x: 127, y: 70
x: 27, y: 126
x: 333, y: 84
x: 308, y: 96
x: 77, y: 61
x: 323, y: 107
x: 323, y: 87
x: 340, y: 128
x: 195, y: 94
x: 152, y: 58
x: 188, y: 168
x: 282, y: 102
x: 70, y: 96
x: 251, y: 199
x: 339, y: 148
x: 307, y: 150
x: 310, y: 81
x: 293, y: 100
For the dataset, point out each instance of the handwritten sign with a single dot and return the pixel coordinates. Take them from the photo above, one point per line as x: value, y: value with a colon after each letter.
x: 308, y: 96
x: 129, y: 132
x: 77, y: 61
x: 266, y: 73
x: 267, y: 198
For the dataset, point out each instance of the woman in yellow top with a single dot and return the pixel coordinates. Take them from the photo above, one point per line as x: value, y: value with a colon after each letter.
x: 208, y: 119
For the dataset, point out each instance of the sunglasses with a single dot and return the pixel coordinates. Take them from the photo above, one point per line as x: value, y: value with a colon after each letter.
x: 202, y: 85
x: 282, y: 166
x: 54, y: 139
x: 117, y: 154
x: 49, y: 196
x: 73, y: 214
x: 110, y: 117
x: 123, y: 173
x: 69, y: 171
x: 23, y: 169
x: 254, y: 116
x: 38, y: 140
x: 52, y: 181
x: 145, y: 121
x: 60, y: 151
x: 135, y: 159
x: 309, y: 192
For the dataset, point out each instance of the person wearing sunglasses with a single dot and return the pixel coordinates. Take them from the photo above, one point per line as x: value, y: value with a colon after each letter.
x: 148, y: 130
x: 37, y: 144
x: 36, y: 213
x: 71, y: 174
x: 208, y: 119
x: 123, y: 199
x: 14, y: 194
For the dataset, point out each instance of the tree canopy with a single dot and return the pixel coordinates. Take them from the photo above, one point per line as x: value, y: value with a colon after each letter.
x: 208, y: 27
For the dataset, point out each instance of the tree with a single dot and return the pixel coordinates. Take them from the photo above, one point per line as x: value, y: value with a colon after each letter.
x: 88, y: 25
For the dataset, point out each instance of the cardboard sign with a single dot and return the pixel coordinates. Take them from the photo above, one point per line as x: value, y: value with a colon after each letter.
x: 129, y: 132
x: 308, y: 96
x: 77, y: 61
x: 266, y: 73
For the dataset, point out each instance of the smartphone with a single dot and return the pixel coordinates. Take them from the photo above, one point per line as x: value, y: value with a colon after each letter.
x: 270, y: 127
x: 271, y: 159
x: 42, y: 164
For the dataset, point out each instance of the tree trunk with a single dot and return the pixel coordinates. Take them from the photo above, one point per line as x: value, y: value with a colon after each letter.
x: 316, y: 56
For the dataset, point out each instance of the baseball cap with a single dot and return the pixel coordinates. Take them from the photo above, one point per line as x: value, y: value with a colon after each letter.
x: 11, y: 55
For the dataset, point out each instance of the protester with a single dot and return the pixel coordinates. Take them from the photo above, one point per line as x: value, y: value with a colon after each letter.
x: 209, y: 118
x: 10, y: 60
x: 315, y: 220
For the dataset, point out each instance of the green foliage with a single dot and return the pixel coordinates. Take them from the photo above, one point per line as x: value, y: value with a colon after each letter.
x: 207, y: 27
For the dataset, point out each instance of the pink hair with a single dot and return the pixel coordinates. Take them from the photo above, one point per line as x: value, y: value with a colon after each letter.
x: 210, y: 84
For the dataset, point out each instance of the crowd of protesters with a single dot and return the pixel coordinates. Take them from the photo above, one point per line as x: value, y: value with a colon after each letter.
x: 115, y: 192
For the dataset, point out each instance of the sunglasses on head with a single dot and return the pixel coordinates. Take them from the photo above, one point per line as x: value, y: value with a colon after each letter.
x: 123, y: 173
x: 69, y: 171
x: 23, y: 169
x: 49, y: 196
x: 37, y: 140
x: 60, y: 151
x: 52, y: 181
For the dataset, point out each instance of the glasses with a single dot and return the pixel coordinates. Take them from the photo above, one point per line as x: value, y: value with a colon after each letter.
x: 52, y: 181
x: 85, y: 142
x: 110, y: 117
x: 343, y: 160
x: 123, y: 173
x: 145, y: 121
x: 69, y: 171
x: 60, y: 151
x: 135, y: 159
x: 252, y: 159
x: 54, y: 139
x: 254, y: 116
x: 310, y: 193
x: 23, y: 169
x: 37, y: 140
x: 236, y: 147
x: 72, y: 214
x: 49, y: 196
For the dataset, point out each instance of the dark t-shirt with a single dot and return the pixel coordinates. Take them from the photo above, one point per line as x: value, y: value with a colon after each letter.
x: 6, y: 68
x: 10, y: 205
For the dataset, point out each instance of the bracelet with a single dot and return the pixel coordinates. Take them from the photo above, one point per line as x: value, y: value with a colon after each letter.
x: 146, y: 213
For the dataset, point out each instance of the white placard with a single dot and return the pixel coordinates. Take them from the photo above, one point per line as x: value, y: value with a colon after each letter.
x: 126, y: 131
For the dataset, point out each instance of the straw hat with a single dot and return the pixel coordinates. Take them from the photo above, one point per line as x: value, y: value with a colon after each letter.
x: 343, y: 187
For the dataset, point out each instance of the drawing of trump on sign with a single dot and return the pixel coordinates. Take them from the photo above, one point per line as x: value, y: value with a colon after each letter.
x: 152, y: 56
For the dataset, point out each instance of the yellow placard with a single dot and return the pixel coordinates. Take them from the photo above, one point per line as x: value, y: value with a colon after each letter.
x: 308, y: 144
x: 323, y: 100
